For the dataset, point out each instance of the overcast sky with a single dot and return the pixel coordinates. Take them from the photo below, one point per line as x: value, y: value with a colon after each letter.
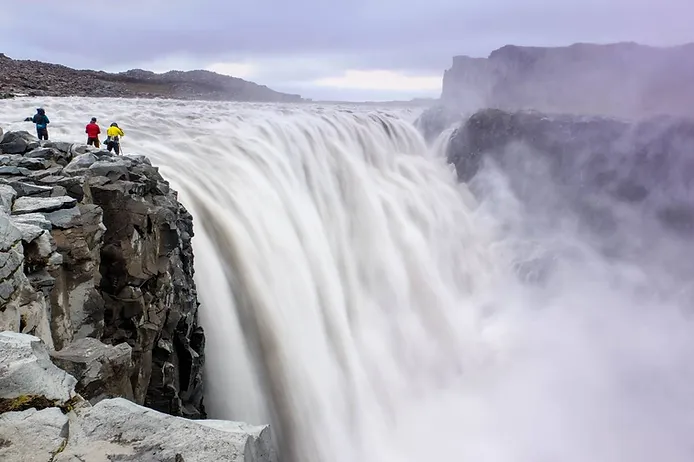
x: 350, y: 49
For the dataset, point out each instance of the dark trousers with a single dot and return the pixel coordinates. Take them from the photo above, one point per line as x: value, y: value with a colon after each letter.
x: 93, y: 142
x: 112, y: 145
x: 42, y: 133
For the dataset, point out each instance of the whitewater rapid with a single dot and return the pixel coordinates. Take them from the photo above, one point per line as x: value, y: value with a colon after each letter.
x: 359, y: 299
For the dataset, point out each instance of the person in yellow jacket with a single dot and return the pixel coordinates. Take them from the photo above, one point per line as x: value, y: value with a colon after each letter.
x: 113, y: 134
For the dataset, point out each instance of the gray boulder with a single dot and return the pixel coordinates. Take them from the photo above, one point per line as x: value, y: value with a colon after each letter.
x: 80, y: 163
x: 61, y: 146
x: 34, y: 164
x: 27, y: 374
x: 101, y: 370
x: 16, y: 142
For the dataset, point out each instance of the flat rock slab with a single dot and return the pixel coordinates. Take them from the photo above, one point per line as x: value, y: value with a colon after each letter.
x: 14, y: 171
x: 28, y: 189
x: 37, y: 219
x: 26, y: 372
x: 64, y: 218
x: 32, y: 435
x: 117, y: 429
x: 28, y: 204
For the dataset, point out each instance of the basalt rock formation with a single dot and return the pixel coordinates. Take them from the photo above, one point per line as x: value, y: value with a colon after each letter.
x: 43, y: 418
x: 35, y: 78
x: 621, y: 80
x: 609, y: 176
x: 96, y: 261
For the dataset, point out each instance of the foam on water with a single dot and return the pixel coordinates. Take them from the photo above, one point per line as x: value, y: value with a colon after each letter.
x: 357, y: 297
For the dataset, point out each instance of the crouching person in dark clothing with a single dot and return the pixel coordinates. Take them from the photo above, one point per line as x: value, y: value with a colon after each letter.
x: 41, y: 121
x: 113, y: 141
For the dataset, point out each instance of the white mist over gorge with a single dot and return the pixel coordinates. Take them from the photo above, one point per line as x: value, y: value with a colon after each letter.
x: 370, y: 307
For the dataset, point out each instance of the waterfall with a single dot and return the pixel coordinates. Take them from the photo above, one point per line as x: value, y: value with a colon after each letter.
x: 372, y: 309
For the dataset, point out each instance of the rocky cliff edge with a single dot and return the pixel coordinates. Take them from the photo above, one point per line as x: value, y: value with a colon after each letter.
x: 96, y: 261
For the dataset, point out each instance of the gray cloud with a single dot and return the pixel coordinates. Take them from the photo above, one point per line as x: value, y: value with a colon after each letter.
x: 414, y: 37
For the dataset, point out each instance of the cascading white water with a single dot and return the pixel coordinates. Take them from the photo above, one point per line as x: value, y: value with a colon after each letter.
x: 359, y: 299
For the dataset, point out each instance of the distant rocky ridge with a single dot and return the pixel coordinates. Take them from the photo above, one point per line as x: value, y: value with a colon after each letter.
x: 622, y: 80
x: 35, y: 78
x: 96, y: 261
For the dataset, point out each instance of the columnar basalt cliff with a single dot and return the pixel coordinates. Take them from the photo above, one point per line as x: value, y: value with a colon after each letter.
x: 36, y: 78
x: 622, y: 80
x: 96, y: 261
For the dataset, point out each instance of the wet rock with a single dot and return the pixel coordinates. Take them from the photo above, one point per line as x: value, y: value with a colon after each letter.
x: 29, y: 204
x: 101, y: 370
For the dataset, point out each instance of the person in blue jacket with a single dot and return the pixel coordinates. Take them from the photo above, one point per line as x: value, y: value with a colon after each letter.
x: 41, y: 121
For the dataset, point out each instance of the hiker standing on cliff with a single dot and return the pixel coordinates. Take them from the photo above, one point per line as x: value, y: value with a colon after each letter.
x: 113, y: 134
x: 92, y: 130
x: 41, y: 121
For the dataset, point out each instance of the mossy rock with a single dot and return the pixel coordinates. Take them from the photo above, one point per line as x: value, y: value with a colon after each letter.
x: 38, y: 402
x: 24, y: 402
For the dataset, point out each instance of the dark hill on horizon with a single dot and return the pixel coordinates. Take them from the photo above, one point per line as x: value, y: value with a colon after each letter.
x: 36, y: 78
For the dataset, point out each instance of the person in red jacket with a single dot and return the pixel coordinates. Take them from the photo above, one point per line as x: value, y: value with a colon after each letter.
x: 93, y: 132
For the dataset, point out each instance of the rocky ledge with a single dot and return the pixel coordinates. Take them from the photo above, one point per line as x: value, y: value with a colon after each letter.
x: 43, y: 418
x: 96, y: 261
